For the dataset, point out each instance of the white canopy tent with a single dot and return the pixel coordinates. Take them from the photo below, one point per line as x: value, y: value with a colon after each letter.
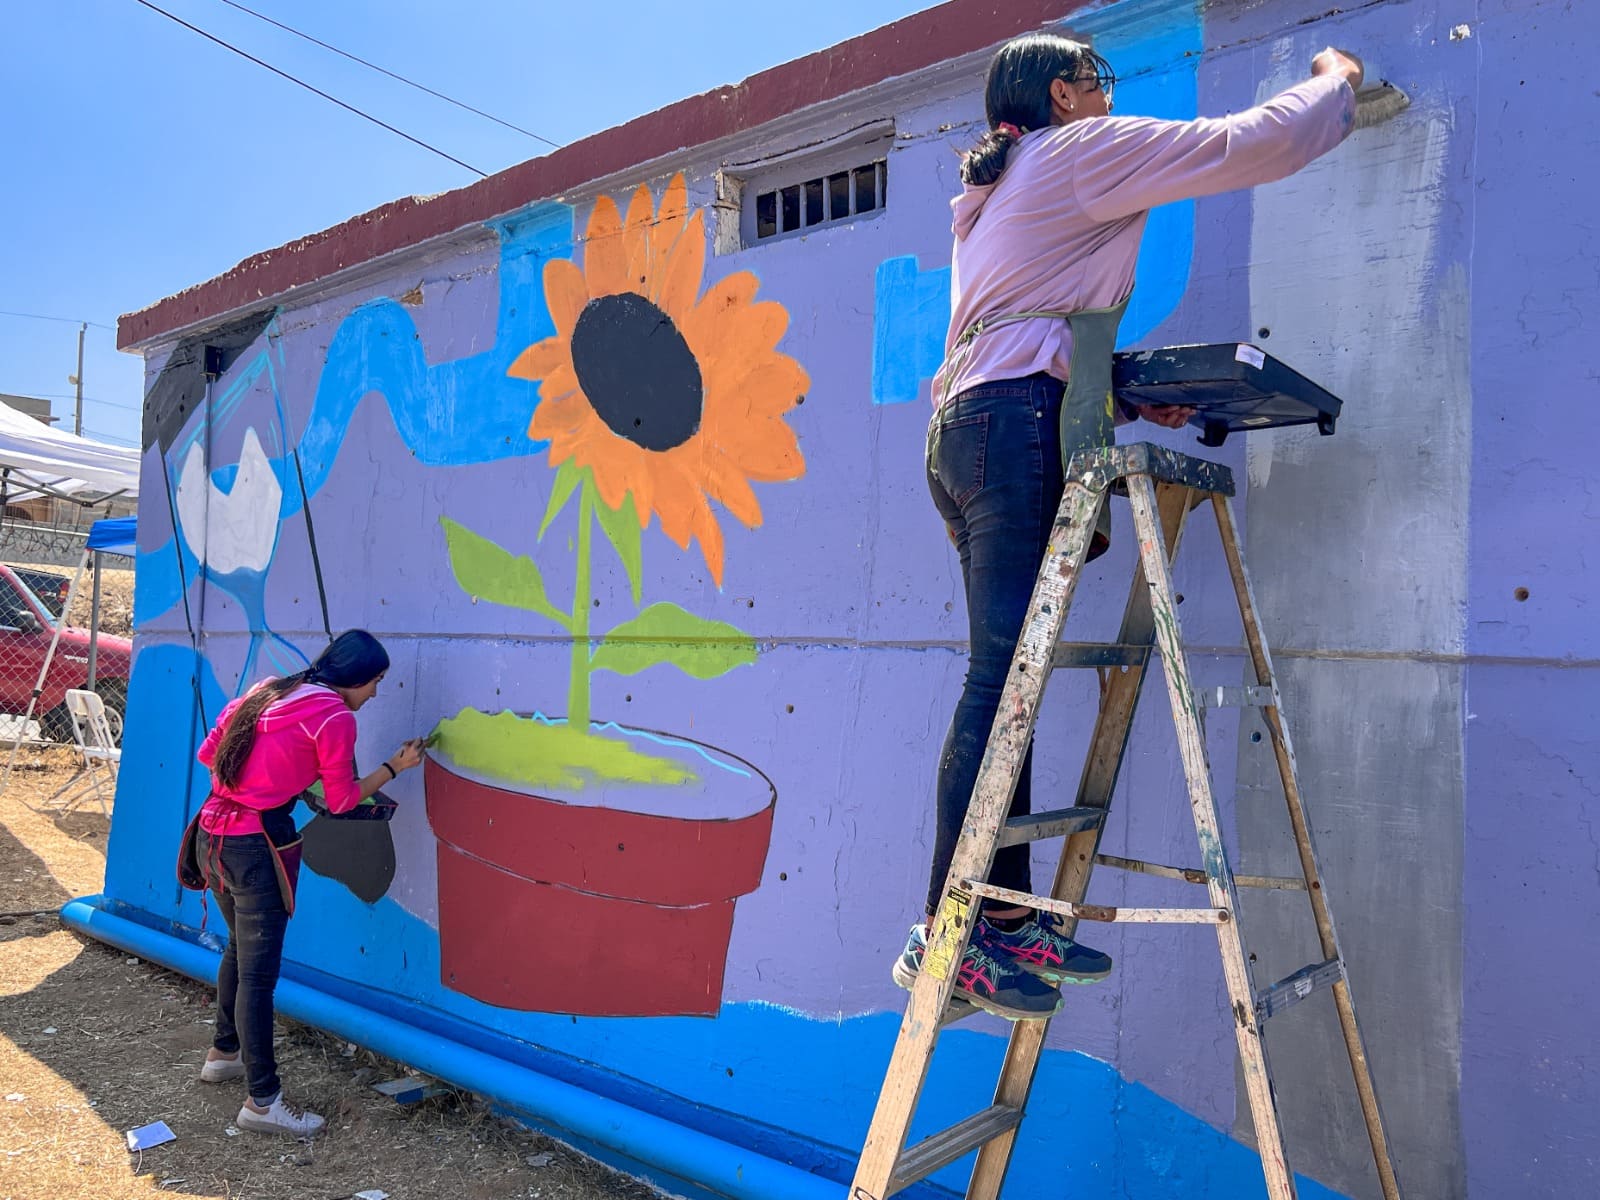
x: 38, y: 459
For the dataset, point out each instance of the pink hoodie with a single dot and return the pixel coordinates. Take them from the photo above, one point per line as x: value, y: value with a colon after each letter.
x: 309, y: 734
x: 1060, y: 229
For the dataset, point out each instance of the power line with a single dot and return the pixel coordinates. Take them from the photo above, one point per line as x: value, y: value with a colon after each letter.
x: 63, y: 320
x: 109, y: 437
x: 366, y: 116
x: 117, y: 404
x: 391, y: 74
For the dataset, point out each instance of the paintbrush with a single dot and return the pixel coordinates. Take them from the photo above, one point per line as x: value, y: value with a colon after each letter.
x: 1378, y: 100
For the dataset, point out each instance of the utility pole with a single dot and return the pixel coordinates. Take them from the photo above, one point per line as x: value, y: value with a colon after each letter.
x: 77, y: 416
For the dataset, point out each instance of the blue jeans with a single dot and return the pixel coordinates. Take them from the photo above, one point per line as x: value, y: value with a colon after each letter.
x: 252, y: 905
x: 994, y: 468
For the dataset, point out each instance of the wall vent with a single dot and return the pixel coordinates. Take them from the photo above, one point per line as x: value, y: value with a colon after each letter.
x: 787, y: 194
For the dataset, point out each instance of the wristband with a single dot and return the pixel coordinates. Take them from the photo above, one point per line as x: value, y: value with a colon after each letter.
x: 393, y: 774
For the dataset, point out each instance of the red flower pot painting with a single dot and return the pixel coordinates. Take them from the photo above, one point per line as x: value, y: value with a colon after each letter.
x: 550, y: 905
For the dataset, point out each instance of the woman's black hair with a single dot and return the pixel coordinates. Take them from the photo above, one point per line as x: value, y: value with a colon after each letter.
x: 352, y: 659
x: 1018, y: 93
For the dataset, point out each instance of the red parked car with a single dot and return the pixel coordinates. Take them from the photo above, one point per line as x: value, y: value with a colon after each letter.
x: 26, y: 627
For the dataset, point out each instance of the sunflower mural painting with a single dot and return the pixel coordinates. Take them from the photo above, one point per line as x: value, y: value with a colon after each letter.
x: 655, y: 399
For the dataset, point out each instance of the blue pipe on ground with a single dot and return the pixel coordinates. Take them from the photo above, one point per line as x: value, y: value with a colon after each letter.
x: 707, y: 1162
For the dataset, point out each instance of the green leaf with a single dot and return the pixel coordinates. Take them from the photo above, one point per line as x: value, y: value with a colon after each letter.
x: 568, y: 476
x: 665, y: 633
x: 621, y: 526
x: 484, y: 570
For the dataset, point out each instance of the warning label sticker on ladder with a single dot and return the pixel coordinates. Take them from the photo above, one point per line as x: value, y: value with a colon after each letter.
x: 944, y: 939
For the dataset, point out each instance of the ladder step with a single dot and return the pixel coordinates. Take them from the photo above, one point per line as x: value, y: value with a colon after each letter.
x: 944, y: 1147
x: 1102, y: 912
x: 1283, y: 883
x: 1101, y: 654
x: 1292, y: 989
x: 1060, y: 822
x: 1254, y: 696
x: 1146, y: 458
x: 957, y: 1010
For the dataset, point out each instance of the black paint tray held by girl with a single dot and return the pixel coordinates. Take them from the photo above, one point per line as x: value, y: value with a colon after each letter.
x: 1234, y: 387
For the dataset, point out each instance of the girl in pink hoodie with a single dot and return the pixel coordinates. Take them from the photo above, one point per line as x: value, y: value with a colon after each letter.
x: 266, y: 748
x: 1049, y: 224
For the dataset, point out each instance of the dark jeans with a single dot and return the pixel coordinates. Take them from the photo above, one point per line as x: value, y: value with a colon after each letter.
x: 253, y: 907
x: 994, y: 468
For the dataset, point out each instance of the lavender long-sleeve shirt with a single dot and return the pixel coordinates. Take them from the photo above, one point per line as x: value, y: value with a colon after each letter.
x: 1060, y: 230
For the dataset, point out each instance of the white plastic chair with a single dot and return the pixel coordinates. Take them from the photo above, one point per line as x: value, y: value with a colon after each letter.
x: 98, y: 750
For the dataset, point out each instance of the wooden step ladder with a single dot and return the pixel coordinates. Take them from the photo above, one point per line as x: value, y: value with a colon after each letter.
x: 1163, y: 487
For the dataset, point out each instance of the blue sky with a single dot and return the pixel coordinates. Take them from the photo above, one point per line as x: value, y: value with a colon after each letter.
x: 140, y: 159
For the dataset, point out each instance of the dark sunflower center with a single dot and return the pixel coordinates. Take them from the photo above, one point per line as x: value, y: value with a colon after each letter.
x: 639, y: 374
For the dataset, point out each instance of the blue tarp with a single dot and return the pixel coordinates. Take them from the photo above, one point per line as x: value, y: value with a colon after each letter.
x: 113, y: 534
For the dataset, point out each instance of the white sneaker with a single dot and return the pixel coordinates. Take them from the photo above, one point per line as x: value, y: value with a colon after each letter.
x: 220, y: 1070
x: 280, y: 1117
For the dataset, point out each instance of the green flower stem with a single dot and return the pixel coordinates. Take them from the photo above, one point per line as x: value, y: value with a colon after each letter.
x: 578, y: 687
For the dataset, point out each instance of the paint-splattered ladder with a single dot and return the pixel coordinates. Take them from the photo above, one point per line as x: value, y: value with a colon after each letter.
x: 1163, y: 487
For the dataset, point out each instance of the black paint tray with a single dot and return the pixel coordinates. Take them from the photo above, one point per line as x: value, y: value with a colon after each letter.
x: 1236, y: 387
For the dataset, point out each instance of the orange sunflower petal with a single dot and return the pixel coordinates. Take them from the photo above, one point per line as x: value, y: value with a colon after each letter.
x: 605, y: 263
x: 738, y: 386
x: 539, y: 359
x: 616, y: 462
x: 678, y: 280
x: 557, y: 415
x: 672, y: 217
x: 726, y: 484
x: 762, y: 324
x: 709, y: 534
x: 621, y: 471
x: 768, y: 451
x: 725, y: 320
x: 560, y: 381
x: 636, y: 241
x: 565, y: 293
x: 727, y: 294
x: 676, y: 496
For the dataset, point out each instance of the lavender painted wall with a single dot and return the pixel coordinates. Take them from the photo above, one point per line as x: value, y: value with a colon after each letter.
x: 1530, y: 1079
x: 1438, y: 718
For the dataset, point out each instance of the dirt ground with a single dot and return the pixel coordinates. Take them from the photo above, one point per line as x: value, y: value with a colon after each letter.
x: 94, y: 1043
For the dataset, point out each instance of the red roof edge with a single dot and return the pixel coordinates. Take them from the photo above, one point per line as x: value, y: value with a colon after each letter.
x: 911, y: 44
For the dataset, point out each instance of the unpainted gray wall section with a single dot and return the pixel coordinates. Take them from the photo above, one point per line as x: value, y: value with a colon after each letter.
x: 1357, y: 545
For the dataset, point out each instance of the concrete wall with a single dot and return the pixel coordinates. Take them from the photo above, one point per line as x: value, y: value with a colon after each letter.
x: 786, y: 629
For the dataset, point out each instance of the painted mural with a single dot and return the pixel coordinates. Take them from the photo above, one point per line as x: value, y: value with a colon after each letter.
x: 643, y: 524
x: 653, y: 398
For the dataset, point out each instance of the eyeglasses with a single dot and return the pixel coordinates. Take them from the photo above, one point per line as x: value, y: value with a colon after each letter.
x: 1101, y: 81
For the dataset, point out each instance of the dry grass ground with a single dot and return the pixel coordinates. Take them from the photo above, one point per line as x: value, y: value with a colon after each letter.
x: 94, y: 1043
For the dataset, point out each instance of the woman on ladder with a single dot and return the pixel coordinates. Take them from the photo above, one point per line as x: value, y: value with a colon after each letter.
x: 1047, y: 235
x: 265, y: 749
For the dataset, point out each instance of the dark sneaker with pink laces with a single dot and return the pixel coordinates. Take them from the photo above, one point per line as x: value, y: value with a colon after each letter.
x: 1040, y: 948
x: 986, y: 979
